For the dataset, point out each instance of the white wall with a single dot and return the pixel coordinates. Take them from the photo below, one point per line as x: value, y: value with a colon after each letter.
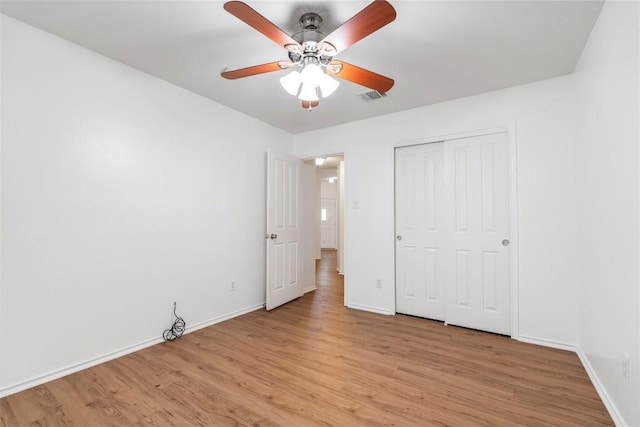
x: 325, y: 173
x: 543, y: 116
x: 607, y: 203
x: 121, y: 193
x: 329, y: 190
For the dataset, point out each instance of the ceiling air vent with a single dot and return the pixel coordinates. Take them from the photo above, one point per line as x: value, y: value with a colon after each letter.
x: 372, y: 95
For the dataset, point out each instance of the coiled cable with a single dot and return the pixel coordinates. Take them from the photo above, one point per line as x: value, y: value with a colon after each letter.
x: 177, y: 329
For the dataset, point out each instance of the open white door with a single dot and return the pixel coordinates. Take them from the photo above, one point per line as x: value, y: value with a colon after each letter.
x: 284, y: 246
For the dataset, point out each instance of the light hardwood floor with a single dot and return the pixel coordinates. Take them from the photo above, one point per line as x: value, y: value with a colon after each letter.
x: 313, y: 362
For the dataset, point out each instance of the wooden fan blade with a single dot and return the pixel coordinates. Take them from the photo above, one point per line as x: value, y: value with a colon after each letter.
x: 252, y: 71
x: 252, y: 18
x: 360, y: 76
x: 367, y: 21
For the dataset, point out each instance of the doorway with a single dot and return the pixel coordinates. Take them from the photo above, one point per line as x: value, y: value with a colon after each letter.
x: 325, y: 228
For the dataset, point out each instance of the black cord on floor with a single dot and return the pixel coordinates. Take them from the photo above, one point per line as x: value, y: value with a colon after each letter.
x: 176, y: 330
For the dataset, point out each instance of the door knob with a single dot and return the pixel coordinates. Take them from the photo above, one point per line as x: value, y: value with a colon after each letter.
x: 398, y: 237
x: 274, y: 236
x: 505, y: 242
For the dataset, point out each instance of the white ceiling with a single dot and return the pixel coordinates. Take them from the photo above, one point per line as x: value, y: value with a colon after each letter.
x: 434, y: 50
x: 330, y: 162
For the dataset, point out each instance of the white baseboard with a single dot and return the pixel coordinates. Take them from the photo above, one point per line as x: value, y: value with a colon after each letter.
x: 305, y: 291
x: 604, y: 396
x: 547, y: 343
x: 224, y: 317
x: 59, y: 373
x: 371, y: 309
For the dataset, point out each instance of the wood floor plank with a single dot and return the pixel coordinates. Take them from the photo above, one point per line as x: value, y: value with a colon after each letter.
x: 313, y: 362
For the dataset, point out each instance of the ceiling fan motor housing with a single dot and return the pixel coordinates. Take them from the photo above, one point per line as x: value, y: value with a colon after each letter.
x: 309, y: 39
x: 310, y: 21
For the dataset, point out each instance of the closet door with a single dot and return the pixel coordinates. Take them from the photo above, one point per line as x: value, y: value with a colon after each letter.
x: 452, y: 232
x: 420, y: 219
x: 478, y: 261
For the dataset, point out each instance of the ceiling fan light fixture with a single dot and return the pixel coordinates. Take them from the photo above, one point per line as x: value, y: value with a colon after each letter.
x: 311, y: 74
x: 313, y: 78
x: 291, y: 82
x: 308, y: 93
x: 328, y: 85
x: 312, y: 51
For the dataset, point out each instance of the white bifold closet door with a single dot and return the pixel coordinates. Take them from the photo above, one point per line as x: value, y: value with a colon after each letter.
x: 452, y: 232
x: 420, y: 231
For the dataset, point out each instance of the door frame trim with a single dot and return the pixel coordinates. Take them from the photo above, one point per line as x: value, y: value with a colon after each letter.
x: 510, y: 129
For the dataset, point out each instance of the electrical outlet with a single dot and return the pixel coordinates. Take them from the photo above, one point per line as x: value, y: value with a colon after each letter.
x: 378, y: 283
x: 233, y: 285
x: 626, y: 367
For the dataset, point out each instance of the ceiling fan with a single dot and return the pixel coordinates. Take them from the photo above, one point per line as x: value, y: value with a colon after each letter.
x: 311, y: 52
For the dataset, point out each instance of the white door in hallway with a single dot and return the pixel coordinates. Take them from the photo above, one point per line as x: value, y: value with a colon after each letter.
x: 453, y: 227
x: 328, y: 223
x: 284, y: 246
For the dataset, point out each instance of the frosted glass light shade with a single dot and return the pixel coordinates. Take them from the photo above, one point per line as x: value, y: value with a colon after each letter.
x: 308, y: 92
x: 309, y: 83
x: 291, y: 82
x: 328, y: 85
x: 311, y: 74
